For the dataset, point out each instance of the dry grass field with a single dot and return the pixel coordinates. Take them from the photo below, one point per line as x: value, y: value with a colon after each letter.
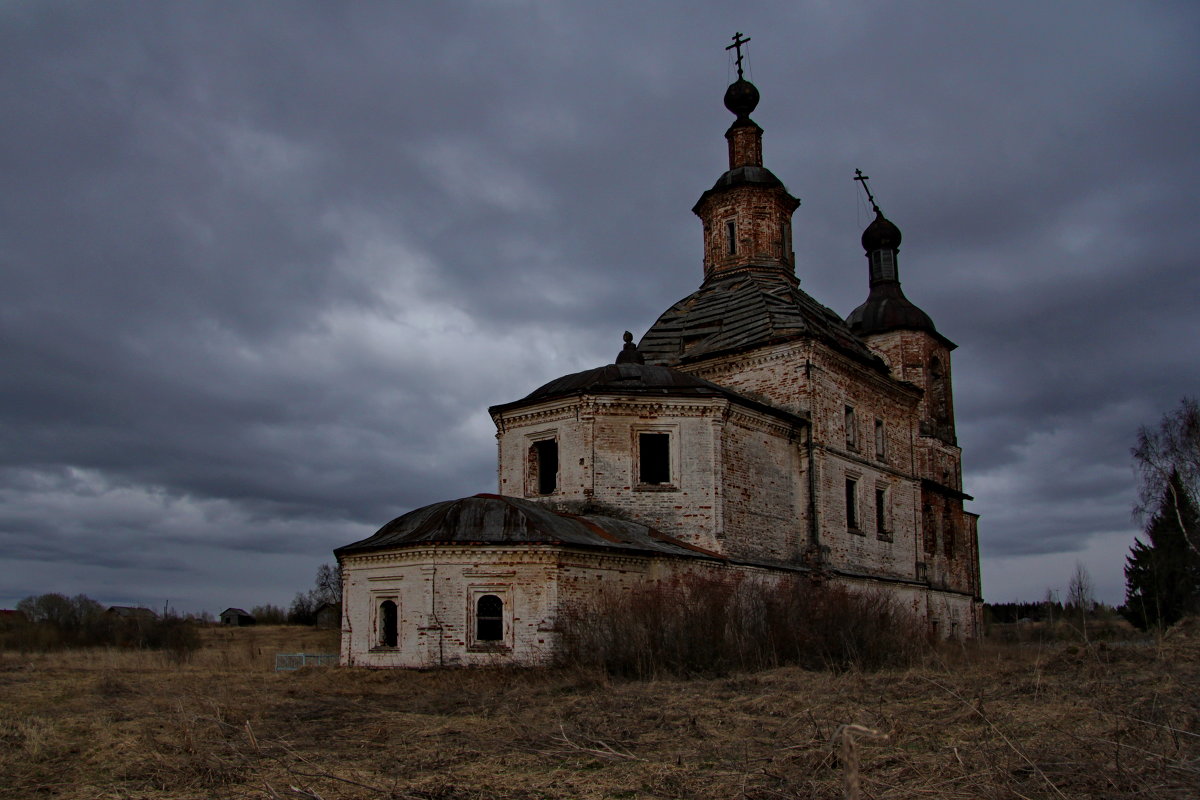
x: 987, y: 721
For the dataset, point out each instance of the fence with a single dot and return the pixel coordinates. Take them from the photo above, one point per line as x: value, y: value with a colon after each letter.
x: 290, y: 661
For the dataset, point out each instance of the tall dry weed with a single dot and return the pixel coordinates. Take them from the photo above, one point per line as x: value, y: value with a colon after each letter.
x: 702, y: 625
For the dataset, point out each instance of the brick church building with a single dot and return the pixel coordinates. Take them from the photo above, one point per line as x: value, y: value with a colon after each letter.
x: 751, y: 431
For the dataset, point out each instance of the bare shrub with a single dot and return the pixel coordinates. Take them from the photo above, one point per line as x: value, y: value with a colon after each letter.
x: 714, y: 625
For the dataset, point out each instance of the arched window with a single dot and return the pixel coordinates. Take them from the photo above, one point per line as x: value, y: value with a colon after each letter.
x: 489, y: 619
x: 388, y: 624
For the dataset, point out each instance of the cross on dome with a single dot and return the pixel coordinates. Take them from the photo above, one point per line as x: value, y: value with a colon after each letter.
x: 738, y: 41
x: 858, y: 176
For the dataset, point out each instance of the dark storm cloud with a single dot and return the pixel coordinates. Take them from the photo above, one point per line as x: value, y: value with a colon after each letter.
x: 267, y: 265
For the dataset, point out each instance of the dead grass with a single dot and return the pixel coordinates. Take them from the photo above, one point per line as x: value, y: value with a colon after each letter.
x: 989, y: 721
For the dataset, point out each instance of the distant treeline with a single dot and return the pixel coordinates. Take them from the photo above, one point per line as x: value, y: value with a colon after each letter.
x: 55, y: 621
x: 1015, y: 612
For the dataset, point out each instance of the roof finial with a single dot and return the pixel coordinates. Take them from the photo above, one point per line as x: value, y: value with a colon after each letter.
x: 858, y: 176
x: 738, y: 41
x: 629, y: 353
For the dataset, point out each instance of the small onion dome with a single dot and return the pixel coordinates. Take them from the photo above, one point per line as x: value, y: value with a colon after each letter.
x: 881, y: 234
x: 741, y: 98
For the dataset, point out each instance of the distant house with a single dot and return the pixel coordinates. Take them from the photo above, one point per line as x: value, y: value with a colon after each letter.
x: 329, y: 616
x: 236, y: 616
x: 132, y: 613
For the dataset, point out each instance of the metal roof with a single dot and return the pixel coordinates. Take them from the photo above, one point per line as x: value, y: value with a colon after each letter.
x: 635, y: 379
x: 490, y: 519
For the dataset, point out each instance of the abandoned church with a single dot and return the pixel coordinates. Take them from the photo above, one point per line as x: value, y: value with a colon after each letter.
x: 752, y: 432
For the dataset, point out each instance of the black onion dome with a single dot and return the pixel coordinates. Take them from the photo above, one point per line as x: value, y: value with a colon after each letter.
x: 490, y: 519
x: 887, y: 309
x: 881, y: 234
x: 741, y: 98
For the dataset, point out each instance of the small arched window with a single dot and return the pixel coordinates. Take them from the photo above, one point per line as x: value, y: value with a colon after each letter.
x: 489, y: 619
x: 388, y: 624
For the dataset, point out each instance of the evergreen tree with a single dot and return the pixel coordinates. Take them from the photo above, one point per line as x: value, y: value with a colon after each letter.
x: 1162, y: 575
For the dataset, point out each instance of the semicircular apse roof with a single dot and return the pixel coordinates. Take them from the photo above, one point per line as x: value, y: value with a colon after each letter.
x: 491, y: 519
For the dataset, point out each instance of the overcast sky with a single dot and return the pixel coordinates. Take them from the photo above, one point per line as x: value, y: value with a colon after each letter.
x: 265, y: 265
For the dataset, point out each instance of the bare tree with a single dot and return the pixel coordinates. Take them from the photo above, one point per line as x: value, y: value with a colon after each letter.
x: 328, y: 587
x: 1081, y: 595
x: 1167, y: 460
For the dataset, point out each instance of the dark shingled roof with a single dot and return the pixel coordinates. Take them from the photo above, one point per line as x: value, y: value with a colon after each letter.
x: 744, y: 310
x: 497, y: 520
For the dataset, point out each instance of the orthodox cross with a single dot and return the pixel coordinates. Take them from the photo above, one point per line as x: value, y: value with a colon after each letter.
x: 738, y: 41
x: 858, y: 176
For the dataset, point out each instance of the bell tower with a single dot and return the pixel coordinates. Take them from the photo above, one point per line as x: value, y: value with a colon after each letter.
x: 906, y: 338
x: 747, y: 213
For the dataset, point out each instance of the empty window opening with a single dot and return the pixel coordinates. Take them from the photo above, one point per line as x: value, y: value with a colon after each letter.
x: 851, y: 429
x: 930, y: 528
x: 883, y: 263
x: 543, y: 458
x: 654, y: 458
x: 731, y: 236
x: 881, y: 511
x: 851, y: 503
x: 489, y: 619
x: 388, y: 624
x: 880, y: 440
x: 938, y: 407
x: 948, y: 531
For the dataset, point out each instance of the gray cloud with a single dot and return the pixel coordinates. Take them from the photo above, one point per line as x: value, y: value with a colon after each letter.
x: 266, y: 266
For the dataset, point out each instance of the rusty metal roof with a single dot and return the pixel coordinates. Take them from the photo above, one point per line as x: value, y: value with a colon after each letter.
x: 491, y: 519
x: 628, y: 377
x: 745, y: 310
x: 631, y: 378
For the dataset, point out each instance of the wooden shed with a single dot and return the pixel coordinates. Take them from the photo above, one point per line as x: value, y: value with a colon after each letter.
x: 236, y: 616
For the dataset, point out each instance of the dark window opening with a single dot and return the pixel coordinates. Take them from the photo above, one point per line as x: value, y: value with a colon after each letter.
x: 654, y: 458
x: 731, y: 236
x: 388, y: 624
x: 930, y: 525
x: 544, y: 466
x: 948, y: 531
x: 938, y: 407
x: 881, y: 511
x: 884, y: 264
x: 851, y: 429
x: 880, y: 440
x: 851, y: 504
x: 489, y: 619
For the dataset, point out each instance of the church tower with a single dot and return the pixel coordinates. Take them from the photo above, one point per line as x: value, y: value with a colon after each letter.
x: 905, y: 337
x: 747, y: 214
